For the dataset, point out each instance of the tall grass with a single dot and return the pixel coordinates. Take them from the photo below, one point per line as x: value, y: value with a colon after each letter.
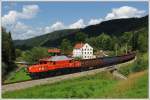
x: 17, y: 76
x: 140, y: 64
x: 135, y: 87
x: 101, y: 85
x: 84, y: 87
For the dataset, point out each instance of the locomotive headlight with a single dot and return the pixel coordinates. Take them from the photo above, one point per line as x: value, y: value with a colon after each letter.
x: 40, y: 68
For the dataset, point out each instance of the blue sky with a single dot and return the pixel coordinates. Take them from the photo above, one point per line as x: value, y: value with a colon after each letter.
x: 30, y: 19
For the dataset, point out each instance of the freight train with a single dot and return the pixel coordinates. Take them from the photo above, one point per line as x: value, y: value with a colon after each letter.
x: 63, y: 63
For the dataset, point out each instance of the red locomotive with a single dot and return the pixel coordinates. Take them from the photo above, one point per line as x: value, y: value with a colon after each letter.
x: 62, y: 63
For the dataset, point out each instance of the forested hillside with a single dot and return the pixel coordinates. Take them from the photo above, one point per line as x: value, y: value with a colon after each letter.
x: 115, y: 27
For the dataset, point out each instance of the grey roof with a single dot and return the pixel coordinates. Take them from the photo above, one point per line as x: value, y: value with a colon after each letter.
x: 59, y: 58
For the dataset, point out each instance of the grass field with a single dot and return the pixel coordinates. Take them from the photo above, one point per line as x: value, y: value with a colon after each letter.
x: 135, y: 87
x: 101, y: 85
x: 17, y: 76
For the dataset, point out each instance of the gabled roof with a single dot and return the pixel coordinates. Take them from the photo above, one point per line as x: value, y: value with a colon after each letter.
x: 79, y: 45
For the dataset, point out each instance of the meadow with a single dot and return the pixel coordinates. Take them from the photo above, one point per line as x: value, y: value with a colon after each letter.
x: 101, y: 85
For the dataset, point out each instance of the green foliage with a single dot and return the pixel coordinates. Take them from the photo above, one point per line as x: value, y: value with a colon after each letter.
x: 135, y: 87
x: 20, y: 75
x: 77, y: 58
x: 80, y: 37
x: 34, y: 54
x: 4, y: 69
x: 139, y: 90
x: 84, y: 87
x: 101, y: 85
x: 66, y: 46
x: 103, y: 41
x: 18, y: 53
x: 52, y: 39
x: 142, y: 40
x: 8, y: 53
x: 140, y: 64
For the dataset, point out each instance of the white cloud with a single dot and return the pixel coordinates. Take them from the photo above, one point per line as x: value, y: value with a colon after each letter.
x: 57, y: 26
x: 22, y: 31
x: 10, y: 18
x: 78, y: 24
x: 20, y: 27
x: 124, y: 12
x: 95, y: 21
x: 47, y: 29
x: 28, y: 12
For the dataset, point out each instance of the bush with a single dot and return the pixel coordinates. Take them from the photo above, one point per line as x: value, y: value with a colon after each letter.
x: 140, y: 64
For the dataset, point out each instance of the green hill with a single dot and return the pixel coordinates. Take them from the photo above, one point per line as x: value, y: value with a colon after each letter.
x: 112, y: 27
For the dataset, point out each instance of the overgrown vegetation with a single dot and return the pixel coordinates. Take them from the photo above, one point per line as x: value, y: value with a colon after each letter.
x: 140, y: 64
x: 20, y: 75
x: 135, y: 87
x: 101, y: 85
x: 83, y: 87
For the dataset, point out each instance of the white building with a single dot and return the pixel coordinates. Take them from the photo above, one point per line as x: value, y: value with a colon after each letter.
x: 84, y: 51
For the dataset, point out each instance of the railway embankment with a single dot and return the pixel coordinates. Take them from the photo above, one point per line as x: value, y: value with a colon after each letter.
x: 100, y: 85
x: 31, y: 83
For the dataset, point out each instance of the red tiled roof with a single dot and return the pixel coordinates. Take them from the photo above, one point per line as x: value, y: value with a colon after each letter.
x: 54, y: 50
x: 78, y: 45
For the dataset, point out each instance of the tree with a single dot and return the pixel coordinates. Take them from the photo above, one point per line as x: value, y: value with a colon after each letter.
x: 143, y: 40
x: 104, y: 42
x: 18, y: 52
x: 13, y: 53
x: 66, y: 47
x: 80, y: 37
x: 34, y: 54
x: 8, y: 53
x: 92, y: 41
x: 126, y: 41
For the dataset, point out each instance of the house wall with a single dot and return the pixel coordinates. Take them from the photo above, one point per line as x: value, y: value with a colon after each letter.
x: 87, y: 51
